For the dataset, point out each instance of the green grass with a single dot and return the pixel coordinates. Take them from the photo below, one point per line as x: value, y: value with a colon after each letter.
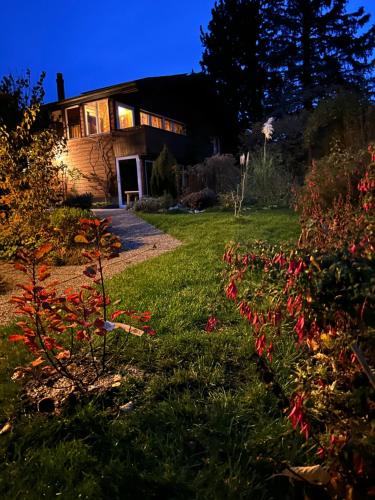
x: 203, y: 427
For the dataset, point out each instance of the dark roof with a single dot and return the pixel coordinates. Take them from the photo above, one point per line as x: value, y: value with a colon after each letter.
x: 120, y: 88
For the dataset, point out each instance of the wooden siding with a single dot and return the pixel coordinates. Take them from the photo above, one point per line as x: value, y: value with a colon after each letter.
x: 92, y: 158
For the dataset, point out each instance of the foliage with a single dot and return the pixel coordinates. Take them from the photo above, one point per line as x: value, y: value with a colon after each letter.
x: 29, y: 178
x: 240, y: 58
x: 329, y: 202
x: 327, y: 47
x: 266, y: 180
x: 346, y: 118
x: 226, y: 201
x: 57, y: 327
x: 199, y: 392
x: 238, y: 196
x: 16, y: 95
x: 65, y: 223
x: 149, y: 204
x: 163, y: 177
x: 220, y: 173
x: 323, y: 296
x: 199, y: 200
x: 279, y: 57
x: 287, y: 143
x: 269, y: 182
x: 83, y: 200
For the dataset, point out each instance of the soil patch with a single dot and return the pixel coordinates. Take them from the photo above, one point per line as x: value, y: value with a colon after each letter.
x: 51, y: 392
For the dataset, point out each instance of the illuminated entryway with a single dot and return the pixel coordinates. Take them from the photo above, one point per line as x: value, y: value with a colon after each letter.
x: 129, y: 179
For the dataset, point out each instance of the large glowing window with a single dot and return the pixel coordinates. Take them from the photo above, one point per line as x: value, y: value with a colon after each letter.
x: 125, y: 117
x: 97, y: 117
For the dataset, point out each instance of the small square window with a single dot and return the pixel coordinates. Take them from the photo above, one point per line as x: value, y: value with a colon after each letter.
x: 125, y: 117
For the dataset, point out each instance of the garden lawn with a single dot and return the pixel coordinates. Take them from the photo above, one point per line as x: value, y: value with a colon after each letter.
x: 203, y: 426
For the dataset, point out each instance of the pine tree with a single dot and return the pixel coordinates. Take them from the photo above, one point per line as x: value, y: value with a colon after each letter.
x: 240, y: 54
x: 324, y: 50
x: 163, y: 177
x: 271, y: 57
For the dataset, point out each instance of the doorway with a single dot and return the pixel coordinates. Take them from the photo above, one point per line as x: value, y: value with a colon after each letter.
x: 129, y: 180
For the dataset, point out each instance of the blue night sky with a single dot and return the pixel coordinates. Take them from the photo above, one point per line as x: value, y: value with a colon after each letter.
x: 97, y: 43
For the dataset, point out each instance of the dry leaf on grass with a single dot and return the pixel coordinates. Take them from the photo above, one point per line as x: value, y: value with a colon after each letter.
x: 6, y: 428
x: 314, y: 474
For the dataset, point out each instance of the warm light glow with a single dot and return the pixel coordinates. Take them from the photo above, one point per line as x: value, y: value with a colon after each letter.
x: 145, y: 118
x: 97, y: 117
x: 125, y: 117
x: 163, y: 123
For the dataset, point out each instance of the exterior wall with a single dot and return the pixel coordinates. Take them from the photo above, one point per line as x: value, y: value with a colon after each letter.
x: 91, y: 162
x: 156, y: 138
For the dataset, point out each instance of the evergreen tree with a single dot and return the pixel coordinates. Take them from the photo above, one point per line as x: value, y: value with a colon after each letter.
x: 324, y: 50
x: 163, y: 177
x: 270, y: 57
x: 241, y: 51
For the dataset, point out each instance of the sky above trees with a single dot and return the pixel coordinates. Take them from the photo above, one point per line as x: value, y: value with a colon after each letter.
x: 95, y: 43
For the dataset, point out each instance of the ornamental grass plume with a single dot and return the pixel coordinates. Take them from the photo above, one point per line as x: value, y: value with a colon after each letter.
x: 267, y: 130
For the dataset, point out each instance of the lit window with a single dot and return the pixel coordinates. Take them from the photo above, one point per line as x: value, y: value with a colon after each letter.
x: 168, y: 125
x: 163, y: 123
x: 156, y: 121
x: 97, y: 117
x: 179, y: 128
x: 145, y: 118
x: 73, y: 122
x: 124, y: 117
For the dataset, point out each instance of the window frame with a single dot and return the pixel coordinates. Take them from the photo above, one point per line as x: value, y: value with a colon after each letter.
x: 97, y: 118
x: 67, y: 122
x: 126, y: 106
x: 163, y: 118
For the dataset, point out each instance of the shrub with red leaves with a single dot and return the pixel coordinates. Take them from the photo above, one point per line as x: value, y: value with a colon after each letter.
x: 323, y: 297
x: 58, y: 328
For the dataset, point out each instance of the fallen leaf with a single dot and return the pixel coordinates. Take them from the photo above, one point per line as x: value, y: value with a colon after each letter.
x: 6, y: 428
x: 127, y: 408
x: 314, y: 474
x: 80, y: 239
x: 130, y: 329
x: 37, y: 362
x: 43, y: 250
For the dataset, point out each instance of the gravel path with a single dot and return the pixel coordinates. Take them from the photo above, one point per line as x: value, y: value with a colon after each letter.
x: 141, y: 241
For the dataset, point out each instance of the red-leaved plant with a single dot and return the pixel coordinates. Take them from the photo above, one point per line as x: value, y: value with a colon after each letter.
x: 57, y: 327
x: 323, y: 298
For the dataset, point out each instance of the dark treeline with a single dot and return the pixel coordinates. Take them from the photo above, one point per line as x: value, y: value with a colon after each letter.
x: 281, y: 56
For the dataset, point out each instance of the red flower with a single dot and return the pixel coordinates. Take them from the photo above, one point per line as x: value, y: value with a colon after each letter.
x: 297, y: 416
x: 352, y: 248
x: 260, y: 344
x: 270, y: 351
x: 244, y: 309
x: 231, y: 290
x: 211, y: 324
x: 149, y: 331
x: 300, y: 328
